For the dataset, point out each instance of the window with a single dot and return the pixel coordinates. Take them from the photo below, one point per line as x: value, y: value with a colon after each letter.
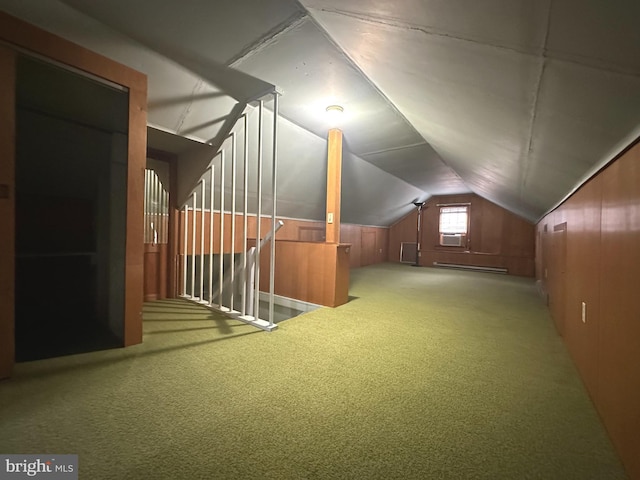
x: 454, y: 224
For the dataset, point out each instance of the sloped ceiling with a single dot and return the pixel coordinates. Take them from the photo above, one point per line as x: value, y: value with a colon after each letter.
x: 520, y: 98
x: 515, y: 100
x: 370, y: 196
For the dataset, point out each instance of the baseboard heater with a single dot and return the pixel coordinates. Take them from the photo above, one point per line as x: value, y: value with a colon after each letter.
x: 471, y: 267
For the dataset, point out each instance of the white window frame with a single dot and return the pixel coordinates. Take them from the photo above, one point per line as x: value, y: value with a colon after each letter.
x: 453, y: 233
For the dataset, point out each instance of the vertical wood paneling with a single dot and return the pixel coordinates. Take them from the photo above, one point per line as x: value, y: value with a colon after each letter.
x: 538, y: 253
x: 163, y: 269
x: 546, y: 230
x: 619, y: 332
x: 341, y: 287
x: 382, y: 245
x: 151, y: 266
x: 368, y: 245
x: 311, y: 234
x: 429, y: 232
x: 7, y: 210
x: 582, y: 283
x: 557, y: 246
x: 493, y: 227
x: 376, y: 249
x: 518, y: 239
x: 497, y: 238
x: 310, y: 271
x: 352, y: 234
x: 368, y: 253
x: 167, y: 268
x: 603, y: 267
x: 402, y: 231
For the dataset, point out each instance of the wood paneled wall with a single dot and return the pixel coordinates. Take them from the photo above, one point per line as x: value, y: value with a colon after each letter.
x: 402, y: 231
x: 600, y: 267
x: 368, y: 245
x: 297, y: 230
x: 15, y: 32
x: 164, y: 258
x: 497, y: 238
x: 7, y: 210
x: 313, y: 271
x: 309, y: 271
x: 156, y: 271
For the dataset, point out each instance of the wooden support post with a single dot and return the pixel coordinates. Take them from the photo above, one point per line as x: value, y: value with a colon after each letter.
x: 334, y: 185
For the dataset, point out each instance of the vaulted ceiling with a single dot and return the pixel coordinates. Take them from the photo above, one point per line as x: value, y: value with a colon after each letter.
x: 518, y: 101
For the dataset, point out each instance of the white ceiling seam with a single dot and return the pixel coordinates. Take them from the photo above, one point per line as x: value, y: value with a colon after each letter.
x: 356, y: 67
x: 187, y: 108
x: 534, y: 106
x: 392, y: 105
x: 186, y: 132
x: 292, y: 22
x: 430, y: 31
x: 591, y: 63
x: 291, y: 54
x: 436, y: 139
x: 393, y: 149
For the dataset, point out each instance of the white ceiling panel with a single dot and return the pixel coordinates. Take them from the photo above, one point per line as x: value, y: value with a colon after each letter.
x: 515, y: 100
x: 516, y: 24
x: 373, y: 197
x: 313, y: 74
x: 218, y: 31
x: 582, y: 112
x: 473, y: 103
x: 604, y: 34
x: 420, y: 166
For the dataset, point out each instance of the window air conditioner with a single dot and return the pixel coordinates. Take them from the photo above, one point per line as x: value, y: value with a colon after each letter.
x: 451, y: 240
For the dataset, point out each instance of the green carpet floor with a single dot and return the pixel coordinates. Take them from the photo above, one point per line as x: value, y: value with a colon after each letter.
x: 424, y: 374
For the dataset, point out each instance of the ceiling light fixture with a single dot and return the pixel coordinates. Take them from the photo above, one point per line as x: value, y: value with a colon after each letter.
x: 334, y: 114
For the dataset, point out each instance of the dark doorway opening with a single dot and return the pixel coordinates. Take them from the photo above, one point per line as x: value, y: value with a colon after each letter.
x: 71, y: 162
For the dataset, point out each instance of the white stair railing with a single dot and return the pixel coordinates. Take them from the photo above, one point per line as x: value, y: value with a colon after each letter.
x: 243, y: 275
x: 249, y: 270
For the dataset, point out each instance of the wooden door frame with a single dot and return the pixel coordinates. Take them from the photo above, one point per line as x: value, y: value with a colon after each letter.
x: 7, y: 210
x: 172, y: 281
x: 556, y: 264
x: 17, y: 35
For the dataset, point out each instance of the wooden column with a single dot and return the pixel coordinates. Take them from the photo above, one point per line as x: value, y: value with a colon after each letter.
x: 334, y: 185
x: 7, y: 210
